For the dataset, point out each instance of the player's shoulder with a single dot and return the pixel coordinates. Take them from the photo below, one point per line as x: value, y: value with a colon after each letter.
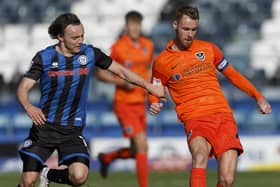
x: 161, y: 59
x: 47, y: 52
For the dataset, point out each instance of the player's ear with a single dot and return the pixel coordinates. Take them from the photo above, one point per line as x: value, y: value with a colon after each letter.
x: 175, y: 25
x: 60, y: 37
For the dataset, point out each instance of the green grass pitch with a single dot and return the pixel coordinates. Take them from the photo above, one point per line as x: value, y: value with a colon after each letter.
x: 161, y: 179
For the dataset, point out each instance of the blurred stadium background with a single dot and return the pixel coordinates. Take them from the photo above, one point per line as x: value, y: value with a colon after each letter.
x: 247, y: 31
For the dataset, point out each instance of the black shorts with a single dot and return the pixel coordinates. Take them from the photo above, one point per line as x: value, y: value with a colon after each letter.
x: 44, y: 140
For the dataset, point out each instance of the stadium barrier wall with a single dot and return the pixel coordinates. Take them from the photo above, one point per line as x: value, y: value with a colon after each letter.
x: 262, y: 153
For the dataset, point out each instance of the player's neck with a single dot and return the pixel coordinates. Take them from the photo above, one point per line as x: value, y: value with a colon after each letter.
x: 61, y: 49
x: 135, y: 41
x: 177, y: 46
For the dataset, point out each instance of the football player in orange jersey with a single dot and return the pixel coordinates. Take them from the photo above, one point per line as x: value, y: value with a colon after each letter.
x: 187, y: 67
x: 135, y: 52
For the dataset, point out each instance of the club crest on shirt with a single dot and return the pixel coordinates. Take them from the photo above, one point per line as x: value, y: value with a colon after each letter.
x: 200, y: 56
x: 176, y: 76
x: 83, y: 60
x: 54, y: 64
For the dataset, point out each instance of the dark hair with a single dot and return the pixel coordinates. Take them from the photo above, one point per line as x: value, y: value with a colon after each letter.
x: 61, y: 22
x: 190, y: 11
x: 133, y: 15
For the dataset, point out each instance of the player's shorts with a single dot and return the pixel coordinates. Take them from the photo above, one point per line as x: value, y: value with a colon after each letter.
x: 132, y: 118
x: 219, y: 129
x: 44, y: 139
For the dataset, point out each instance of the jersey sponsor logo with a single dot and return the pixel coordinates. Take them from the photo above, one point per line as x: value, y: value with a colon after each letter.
x: 222, y: 65
x: 83, y: 60
x: 200, y: 56
x: 54, y: 65
x: 177, y: 76
x: 81, y: 71
x: 27, y: 143
x: 196, y: 69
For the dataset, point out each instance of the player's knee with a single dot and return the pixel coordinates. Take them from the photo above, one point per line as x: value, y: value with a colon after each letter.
x: 78, y: 178
x: 28, y: 182
x: 199, y: 159
x: 141, y: 147
x: 226, y: 181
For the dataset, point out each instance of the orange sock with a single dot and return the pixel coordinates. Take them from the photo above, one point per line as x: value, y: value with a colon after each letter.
x: 142, y: 169
x: 123, y: 153
x: 198, y: 177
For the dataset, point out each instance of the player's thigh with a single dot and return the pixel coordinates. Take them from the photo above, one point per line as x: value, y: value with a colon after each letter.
x: 73, y: 150
x: 34, y: 155
x: 132, y: 118
x: 227, y: 163
x: 200, y: 145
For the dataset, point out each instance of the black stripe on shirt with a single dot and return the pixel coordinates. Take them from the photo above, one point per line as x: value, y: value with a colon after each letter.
x: 53, y: 88
x: 76, y: 100
x: 67, y: 86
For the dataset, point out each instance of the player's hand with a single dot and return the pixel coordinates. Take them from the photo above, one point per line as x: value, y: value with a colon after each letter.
x: 155, y: 108
x: 156, y: 88
x: 264, y: 106
x: 36, y: 115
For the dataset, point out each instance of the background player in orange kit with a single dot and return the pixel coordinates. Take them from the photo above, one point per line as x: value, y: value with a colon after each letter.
x: 187, y: 67
x: 135, y: 52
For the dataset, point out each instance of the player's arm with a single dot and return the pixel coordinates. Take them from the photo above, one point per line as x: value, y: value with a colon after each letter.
x: 33, y: 112
x: 108, y: 77
x: 156, y: 103
x: 238, y: 80
x: 133, y: 78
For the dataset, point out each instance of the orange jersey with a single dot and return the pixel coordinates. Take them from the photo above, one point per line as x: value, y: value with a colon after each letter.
x: 191, y: 78
x: 138, y: 60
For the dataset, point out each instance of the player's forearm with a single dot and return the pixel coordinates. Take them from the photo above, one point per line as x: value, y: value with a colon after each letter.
x: 241, y: 82
x: 105, y: 76
x: 129, y: 76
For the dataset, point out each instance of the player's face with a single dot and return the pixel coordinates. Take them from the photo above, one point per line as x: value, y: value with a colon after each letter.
x: 186, y: 30
x: 72, y: 39
x: 133, y: 29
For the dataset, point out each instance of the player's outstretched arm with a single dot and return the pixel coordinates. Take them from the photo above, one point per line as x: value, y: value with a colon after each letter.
x: 33, y: 112
x: 106, y: 76
x: 246, y: 86
x: 131, y: 77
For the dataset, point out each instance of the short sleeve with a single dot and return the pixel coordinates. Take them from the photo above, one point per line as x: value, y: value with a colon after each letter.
x: 158, y: 73
x: 36, y: 69
x: 220, y: 62
x: 102, y: 60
